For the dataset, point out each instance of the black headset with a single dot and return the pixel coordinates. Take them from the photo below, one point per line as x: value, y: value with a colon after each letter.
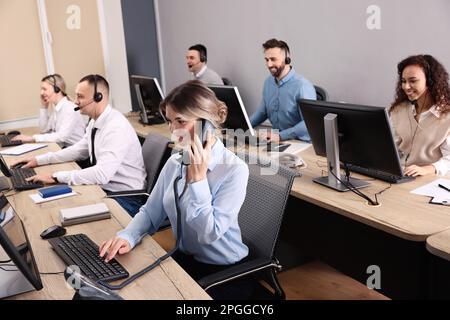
x: 98, y: 96
x: 202, y: 55
x: 428, y: 73
x: 55, y: 86
x: 287, y: 59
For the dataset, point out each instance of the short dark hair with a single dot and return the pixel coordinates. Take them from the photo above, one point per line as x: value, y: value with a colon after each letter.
x: 92, y: 78
x: 275, y: 43
x: 201, y: 50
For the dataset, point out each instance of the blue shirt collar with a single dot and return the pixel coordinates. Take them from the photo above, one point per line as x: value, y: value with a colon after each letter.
x: 286, y: 78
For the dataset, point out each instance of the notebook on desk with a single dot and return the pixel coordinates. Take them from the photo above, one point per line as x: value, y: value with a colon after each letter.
x: 24, y: 148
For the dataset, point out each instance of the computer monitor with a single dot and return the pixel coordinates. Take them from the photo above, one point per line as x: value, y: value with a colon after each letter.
x: 357, y: 135
x: 18, y: 270
x: 237, y: 115
x: 149, y: 95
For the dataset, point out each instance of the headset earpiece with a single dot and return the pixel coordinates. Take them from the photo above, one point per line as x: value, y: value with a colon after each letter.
x: 98, y: 96
x: 287, y: 60
x: 202, y: 56
x: 55, y: 86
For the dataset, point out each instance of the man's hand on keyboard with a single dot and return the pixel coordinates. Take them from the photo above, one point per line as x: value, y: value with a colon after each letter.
x: 269, y: 136
x: 113, y: 246
x: 23, y: 138
x: 45, y: 178
x: 29, y: 163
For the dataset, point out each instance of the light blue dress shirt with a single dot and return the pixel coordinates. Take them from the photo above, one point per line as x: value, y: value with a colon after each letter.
x: 280, y: 105
x: 209, y: 209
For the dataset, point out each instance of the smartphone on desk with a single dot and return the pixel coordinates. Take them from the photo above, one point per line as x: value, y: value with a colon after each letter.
x: 275, y: 147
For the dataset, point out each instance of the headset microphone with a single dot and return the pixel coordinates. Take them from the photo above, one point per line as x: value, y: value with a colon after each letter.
x: 82, y: 106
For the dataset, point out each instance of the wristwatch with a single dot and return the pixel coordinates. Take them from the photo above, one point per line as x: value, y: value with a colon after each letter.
x: 55, y: 178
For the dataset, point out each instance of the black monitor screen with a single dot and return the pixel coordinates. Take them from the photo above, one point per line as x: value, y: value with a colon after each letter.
x: 4, y: 167
x: 364, y: 134
x: 149, y: 95
x: 237, y: 115
x: 19, y: 272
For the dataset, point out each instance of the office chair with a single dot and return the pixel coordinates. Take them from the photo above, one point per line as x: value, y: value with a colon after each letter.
x: 321, y: 93
x: 155, y: 152
x: 260, y: 221
x: 226, y: 81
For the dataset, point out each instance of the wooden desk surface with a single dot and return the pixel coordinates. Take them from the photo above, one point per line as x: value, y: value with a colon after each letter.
x: 168, y: 281
x: 143, y: 130
x: 439, y: 244
x: 401, y: 213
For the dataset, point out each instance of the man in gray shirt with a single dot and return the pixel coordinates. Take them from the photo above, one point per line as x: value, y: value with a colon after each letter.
x: 196, y: 59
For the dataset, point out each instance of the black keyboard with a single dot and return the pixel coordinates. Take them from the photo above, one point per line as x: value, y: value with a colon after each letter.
x: 391, y: 178
x: 19, y: 182
x: 80, y: 250
x: 6, y: 141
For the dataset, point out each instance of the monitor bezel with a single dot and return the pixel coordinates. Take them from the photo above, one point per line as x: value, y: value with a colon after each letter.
x: 15, y: 256
x: 396, y: 167
x: 235, y: 89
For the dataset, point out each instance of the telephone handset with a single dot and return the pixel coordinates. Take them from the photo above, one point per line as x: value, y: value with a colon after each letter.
x: 201, y: 130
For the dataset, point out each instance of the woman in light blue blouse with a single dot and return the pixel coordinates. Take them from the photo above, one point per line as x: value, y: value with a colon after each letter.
x: 211, y: 190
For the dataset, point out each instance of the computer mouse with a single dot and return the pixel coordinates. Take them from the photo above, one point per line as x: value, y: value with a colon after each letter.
x: 13, y: 133
x: 53, y: 231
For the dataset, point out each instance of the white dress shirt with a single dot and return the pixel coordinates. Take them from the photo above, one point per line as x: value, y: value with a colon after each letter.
x: 63, y: 126
x: 119, y: 166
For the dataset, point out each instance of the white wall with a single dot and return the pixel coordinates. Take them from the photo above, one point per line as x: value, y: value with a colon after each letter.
x: 113, y: 40
x: 329, y: 40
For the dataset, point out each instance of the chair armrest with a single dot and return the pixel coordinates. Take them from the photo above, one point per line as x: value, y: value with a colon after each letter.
x: 236, y: 271
x: 127, y: 193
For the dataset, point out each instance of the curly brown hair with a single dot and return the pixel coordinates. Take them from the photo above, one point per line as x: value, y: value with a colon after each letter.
x: 437, y: 81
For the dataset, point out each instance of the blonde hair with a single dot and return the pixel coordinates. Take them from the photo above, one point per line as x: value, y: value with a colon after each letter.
x: 56, y: 80
x: 196, y: 101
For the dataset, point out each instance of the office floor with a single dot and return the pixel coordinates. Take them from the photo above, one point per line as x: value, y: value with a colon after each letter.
x: 311, y: 281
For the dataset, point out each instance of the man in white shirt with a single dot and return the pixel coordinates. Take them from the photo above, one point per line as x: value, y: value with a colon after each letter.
x: 115, y: 154
x: 64, y: 125
x: 196, y: 59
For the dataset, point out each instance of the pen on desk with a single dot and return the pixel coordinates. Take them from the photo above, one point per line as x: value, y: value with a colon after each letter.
x: 443, y: 187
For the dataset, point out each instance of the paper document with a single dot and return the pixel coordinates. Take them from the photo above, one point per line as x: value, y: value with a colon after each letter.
x: 24, y: 148
x: 297, y: 146
x: 433, y: 190
x: 38, y: 199
x: 8, y: 216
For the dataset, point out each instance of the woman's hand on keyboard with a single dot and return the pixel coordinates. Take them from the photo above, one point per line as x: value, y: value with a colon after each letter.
x: 113, y: 246
x: 43, y: 177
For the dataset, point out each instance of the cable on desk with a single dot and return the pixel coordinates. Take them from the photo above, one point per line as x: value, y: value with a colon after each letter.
x: 50, y: 273
x: 352, y: 188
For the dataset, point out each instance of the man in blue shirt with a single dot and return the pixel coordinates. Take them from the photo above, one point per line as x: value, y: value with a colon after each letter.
x: 281, y: 93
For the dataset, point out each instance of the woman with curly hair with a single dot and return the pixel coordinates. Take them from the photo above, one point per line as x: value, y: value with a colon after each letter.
x: 420, y: 116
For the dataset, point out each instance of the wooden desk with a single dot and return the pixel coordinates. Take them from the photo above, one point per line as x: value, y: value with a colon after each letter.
x: 345, y: 232
x: 168, y: 281
x: 144, y: 130
x: 439, y: 247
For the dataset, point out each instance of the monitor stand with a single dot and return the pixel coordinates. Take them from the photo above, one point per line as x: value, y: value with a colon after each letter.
x: 332, y: 150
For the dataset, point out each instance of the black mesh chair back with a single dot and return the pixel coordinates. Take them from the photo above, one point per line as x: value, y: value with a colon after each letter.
x: 321, y: 93
x: 260, y: 219
x: 263, y: 209
x: 155, y: 152
x: 227, y: 81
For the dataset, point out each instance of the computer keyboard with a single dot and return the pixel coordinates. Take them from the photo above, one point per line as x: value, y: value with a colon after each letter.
x: 19, y: 182
x: 80, y: 250
x: 5, y: 141
x: 391, y: 178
